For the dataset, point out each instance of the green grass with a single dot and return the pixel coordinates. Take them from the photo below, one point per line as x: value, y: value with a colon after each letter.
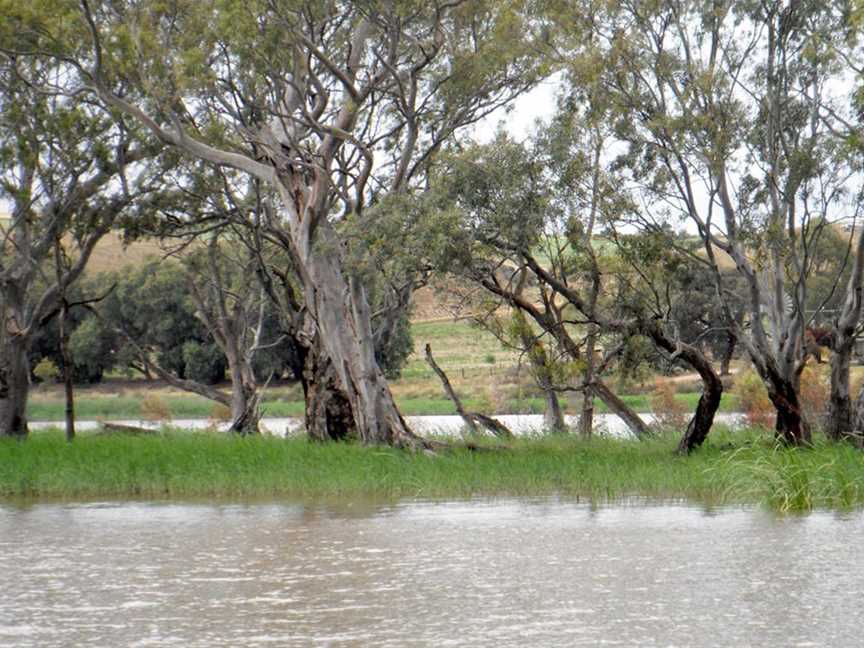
x: 739, y: 468
x: 191, y: 406
x: 129, y: 407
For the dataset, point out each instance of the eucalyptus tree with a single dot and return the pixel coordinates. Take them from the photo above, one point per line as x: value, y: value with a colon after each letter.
x: 70, y: 170
x: 508, y: 213
x: 326, y: 103
x: 552, y: 213
x: 719, y: 105
x: 188, y: 320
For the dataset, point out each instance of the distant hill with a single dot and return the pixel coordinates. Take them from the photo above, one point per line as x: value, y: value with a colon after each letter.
x: 111, y: 253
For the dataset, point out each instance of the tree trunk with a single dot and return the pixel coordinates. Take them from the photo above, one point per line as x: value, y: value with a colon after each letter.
x: 65, y: 353
x: 586, y: 417
x: 68, y: 368
x: 14, y: 388
x: 553, y: 417
x: 712, y: 387
x: 451, y: 393
x: 728, y: 352
x: 245, y: 412
x: 340, y: 310
x: 703, y: 418
x: 791, y: 428
x: 328, y: 413
x: 618, y: 407
x: 471, y: 419
x: 839, y: 424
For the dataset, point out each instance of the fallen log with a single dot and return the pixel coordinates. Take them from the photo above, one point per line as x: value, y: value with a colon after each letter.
x: 117, y: 428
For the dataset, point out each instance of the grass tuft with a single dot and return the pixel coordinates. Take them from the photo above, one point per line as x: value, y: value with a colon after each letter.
x: 732, y: 468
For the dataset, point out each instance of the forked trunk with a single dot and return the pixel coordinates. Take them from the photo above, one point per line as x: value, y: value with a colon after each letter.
x: 340, y: 310
x: 14, y: 388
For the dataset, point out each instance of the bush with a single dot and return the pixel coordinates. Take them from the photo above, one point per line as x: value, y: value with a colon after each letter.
x: 154, y: 408
x: 46, y: 370
x: 754, y: 401
x: 392, y: 351
x: 220, y: 413
x: 203, y: 362
x: 815, y: 394
x: 91, y: 347
x: 669, y: 412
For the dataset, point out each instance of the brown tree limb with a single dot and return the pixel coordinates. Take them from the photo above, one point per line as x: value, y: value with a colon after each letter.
x: 472, y: 419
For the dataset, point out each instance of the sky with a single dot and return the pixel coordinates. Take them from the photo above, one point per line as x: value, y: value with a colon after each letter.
x: 539, y: 103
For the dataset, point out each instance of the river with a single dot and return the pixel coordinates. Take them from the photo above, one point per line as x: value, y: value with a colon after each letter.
x: 502, y: 572
x: 443, y: 425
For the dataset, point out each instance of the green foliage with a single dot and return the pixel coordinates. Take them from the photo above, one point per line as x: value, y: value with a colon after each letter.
x: 392, y: 351
x: 754, y: 401
x: 46, y: 370
x: 203, y: 363
x: 152, y: 305
x: 795, y: 479
x: 499, y: 191
x: 92, y: 346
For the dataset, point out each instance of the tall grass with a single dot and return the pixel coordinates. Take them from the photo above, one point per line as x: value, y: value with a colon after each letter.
x: 177, y: 463
x: 827, y: 475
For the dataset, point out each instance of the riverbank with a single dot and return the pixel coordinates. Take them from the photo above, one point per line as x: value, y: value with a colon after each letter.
x: 740, y: 467
x: 159, y: 403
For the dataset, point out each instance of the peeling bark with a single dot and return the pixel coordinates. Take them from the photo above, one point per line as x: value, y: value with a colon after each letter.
x: 339, y: 307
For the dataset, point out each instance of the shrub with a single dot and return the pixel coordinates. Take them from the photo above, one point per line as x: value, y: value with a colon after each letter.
x: 815, y: 394
x: 46, y: 370
x: 154, y: 408
x: 669, y: 412
x: 220, y: 413
x: 203, y: 362
x: 754, y: 401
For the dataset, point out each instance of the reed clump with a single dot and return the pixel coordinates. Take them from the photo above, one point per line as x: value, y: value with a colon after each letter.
x: 741, y: 467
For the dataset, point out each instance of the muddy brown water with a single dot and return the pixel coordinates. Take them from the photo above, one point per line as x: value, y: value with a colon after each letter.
x: 511, y: 572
